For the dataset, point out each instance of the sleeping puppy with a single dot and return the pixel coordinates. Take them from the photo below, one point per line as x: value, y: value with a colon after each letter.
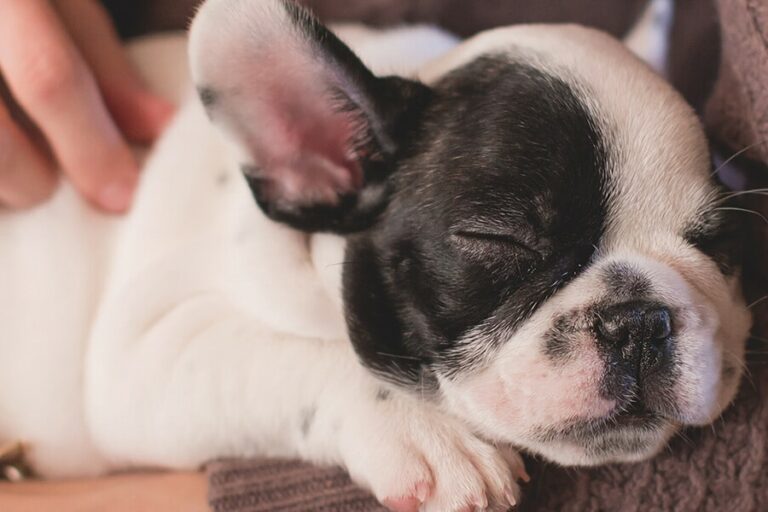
x: 532, y: 254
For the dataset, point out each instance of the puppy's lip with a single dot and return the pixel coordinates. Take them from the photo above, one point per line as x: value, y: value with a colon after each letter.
x: 635, y: 417
x: 633, y: 414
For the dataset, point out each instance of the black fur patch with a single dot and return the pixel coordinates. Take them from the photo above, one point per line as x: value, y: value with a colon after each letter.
x: 558, y: 341
x: 251, y: 171
x: 625, y: 283
x: 720, y: 235
x: 498, y: 201
x: 207, y: 95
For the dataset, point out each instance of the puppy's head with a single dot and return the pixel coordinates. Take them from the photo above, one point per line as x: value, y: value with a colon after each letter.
x: 534, y: 238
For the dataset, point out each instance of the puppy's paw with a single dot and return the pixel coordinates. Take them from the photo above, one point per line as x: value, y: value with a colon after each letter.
x: 415, y: 458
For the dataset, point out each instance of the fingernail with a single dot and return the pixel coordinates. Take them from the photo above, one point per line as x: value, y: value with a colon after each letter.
x: 116, y: 197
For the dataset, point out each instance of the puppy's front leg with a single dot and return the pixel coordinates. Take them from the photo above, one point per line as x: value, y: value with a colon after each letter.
x: 204, y: 380
x: 189, y: 377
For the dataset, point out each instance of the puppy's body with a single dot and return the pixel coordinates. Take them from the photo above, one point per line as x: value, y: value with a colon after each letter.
x: 197, y: 327
x: 193, y: 243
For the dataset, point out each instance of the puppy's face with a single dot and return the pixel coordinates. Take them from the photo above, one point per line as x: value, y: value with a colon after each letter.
x: 534, y: 239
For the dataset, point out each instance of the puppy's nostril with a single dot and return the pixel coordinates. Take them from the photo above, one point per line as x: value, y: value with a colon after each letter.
x: 639, y: 322
x: 612, y: 328
x: 659, y: 323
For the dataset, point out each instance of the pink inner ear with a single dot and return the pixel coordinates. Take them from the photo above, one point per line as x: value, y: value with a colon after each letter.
x: 298, y: 136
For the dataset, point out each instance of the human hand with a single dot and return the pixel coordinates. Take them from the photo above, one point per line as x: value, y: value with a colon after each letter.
x: 70, y: 101
x: 144, y: 492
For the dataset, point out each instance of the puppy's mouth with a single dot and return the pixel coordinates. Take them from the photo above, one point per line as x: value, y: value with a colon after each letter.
x: 635, y: 417
x: 630, y: 433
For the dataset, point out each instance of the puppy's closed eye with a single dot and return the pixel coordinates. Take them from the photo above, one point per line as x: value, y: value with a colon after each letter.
x: 720, y: 235
x: 490, y: 248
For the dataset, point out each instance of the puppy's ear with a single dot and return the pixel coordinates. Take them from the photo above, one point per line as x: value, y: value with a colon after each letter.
x: 317, y: 129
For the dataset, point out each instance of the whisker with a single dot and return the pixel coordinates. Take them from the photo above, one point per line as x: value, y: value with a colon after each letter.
x: 755, y: 303
x: 758, y: 338
x: 744, y: 210
x: 736, y: 155
x: 737, y: 193
x: 396, y: 356
x: 338, y: 264
x: 720, y: 420
x: 686, y: 439
x: 738, y: 360
x: 747, y: 374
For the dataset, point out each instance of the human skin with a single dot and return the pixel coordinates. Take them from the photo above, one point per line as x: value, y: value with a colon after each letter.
x: 140, y: 492
x: 70, y: 101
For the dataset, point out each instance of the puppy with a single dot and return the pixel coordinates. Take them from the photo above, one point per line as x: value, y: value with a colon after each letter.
x: 532, y: 255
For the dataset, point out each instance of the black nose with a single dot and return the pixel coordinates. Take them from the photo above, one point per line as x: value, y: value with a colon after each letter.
x: 637, y: 334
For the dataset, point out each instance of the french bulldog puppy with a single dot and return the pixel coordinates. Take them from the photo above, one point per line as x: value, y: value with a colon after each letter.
x: 518, y: 245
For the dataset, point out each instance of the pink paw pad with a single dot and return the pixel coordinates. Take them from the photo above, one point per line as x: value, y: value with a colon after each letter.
x: 409, y: 503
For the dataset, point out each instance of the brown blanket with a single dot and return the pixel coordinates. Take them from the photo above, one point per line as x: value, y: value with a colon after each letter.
x: 724, y: 74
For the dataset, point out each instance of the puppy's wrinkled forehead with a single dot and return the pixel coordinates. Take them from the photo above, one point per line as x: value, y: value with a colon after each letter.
x: 501, y: 191
x: 506, y: 147
x: 648, y: 149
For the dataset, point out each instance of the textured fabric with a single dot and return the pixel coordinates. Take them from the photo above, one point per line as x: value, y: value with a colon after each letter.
x: 466, y: 18
x: 737, y: 112
x: 694, y: 42
x: 460, y: 16
x: 722, y: 468
x: 266, y: 485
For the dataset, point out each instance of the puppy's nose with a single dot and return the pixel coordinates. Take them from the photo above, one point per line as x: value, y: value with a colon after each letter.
x: 635, y: 321
x: 639, y: 333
